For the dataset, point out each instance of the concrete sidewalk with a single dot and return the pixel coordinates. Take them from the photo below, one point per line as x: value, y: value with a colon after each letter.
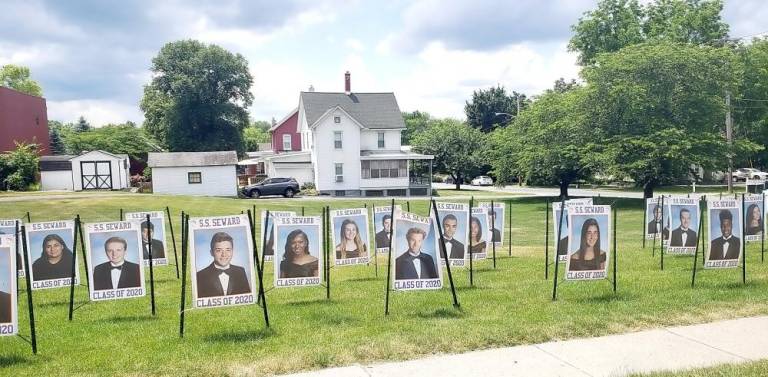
x: 674, y: 348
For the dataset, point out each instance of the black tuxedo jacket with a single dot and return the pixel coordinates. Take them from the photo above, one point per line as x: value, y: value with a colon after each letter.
x: 129, y: 277
x: 495, y: 235
x: 677, y: 238
x: 716, y: 250
x: 158, y: 251
x: 457, y: 249
x: 404, y: 268
x: 562, y: 246
x: 382, y: 240
x: 209, y: 285
x: 652, y: 229
x: 5, y: 307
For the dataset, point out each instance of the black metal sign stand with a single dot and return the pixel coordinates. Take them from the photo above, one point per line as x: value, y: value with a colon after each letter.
x: 78, y: 233
x: 389, y: 256
x: 645, y: 218
x: 469, y: 246
x: 30, y: 306
x: 262, y: 300
x: 151, y: 275
x: 614, y: 281
x: 661, y: 247
x: 546, y: 243
x: 509, y: 225
x: 743, y: 252
x: 493, y: 242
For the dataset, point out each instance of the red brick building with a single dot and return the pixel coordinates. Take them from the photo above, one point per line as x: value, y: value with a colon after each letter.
x: 23, y: 118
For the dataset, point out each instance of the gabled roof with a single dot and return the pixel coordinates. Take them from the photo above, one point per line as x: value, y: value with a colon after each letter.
x: 56, y: 163
x: 372, y: 110
x: 172, y: 159
x: 280, y: 123
x: 114, y: 155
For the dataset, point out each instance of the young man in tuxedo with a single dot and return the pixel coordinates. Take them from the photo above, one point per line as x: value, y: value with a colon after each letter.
x: 727, y: 246
x: 655, y: 226
x: 382, y: 237
x: 495, y: 232
x: 413, y: 264
x: 5, y: 307
x: 454, y: 248
x: 116, y: 273
x: 221, y: 278
x: 147, y: 231
x: 684, y: 235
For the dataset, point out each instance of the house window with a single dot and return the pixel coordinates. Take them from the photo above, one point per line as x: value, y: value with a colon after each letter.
x: 336, y: 119
x: 337, y: 139
x: 194, y: 177
x: 287, y: 142
x: 339, y: 168
x: 381, y: 140
x: 384, y: 169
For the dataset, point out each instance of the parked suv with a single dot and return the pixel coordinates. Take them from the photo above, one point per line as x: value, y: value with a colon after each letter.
x: 743, y: 174
x: 482, y: 180
x: 287, y: 187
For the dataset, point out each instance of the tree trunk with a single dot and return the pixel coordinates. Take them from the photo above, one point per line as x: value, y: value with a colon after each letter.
x: 457, y: 181
x: 648, y: 189
x: 564, y: 189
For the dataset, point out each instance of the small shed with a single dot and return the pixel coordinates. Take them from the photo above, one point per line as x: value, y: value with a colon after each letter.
x: 94, y: 170
x: 194, y: 173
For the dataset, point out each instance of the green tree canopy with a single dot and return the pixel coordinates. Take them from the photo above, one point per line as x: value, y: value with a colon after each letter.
x: 750, y: 101
x: 659, y: 110
x: 18, y: 78
x: 415, y: 122
x: 492, y: 107
x: 198, y: 97
x: 457, y: 147
x: 18, y: 168
x: 616, y: 24
x: 123, y: 138
x: 82, y: 125
x: 255, y: 135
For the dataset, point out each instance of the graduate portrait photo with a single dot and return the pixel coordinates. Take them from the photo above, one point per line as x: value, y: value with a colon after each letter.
x: 115, y: 259
x: 350, y: 236
x: 152, y: 234
x: 683, y: 214
x: 8, y: 227
x: 268, y: 246
x: 753, y: 222
x: 454, y: 222
x: 589, y: 242
x: 725, y: 233
x: 298, y: 251
x: 382, y: 227
x: 50, y: 253
x: 8, y: 293
x: 414, y: 250
x: 496, y: 221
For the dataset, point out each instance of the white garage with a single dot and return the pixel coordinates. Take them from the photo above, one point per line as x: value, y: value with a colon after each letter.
x: 94, y: 170
x: 194, y: 173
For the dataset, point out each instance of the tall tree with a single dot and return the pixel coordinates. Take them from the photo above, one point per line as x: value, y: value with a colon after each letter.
x: 198, y: 97
x: 616, y: 24
x: 415, y: 122
x: 457, y: 147
x: 19, y: 78
x: 550, y: 142
x: 56, y: 144
x: 82, y: 125
x: 660, y: 110
x: 253, y: 136
x: 123, y: 138
x: 750, y: 101
x: 493, y: 107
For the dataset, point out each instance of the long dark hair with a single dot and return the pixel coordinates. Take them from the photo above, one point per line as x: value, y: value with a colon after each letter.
x: 65, y: 252
x: 583, y: 246
x: 288, y: 254
x: 475, y: 220
x: 751, y: 210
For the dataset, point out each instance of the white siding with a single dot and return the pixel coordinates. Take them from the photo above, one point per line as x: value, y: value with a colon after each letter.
x: 216, y: 181
x: 120, y: 170
x: 303, y: 174
x: 56, y: 180
x: 378, y: 183
x: 369, y: 140
x: 325, y: 156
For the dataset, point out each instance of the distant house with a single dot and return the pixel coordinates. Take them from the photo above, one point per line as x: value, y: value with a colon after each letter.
x: 94, y: 170
x: 350, y: 146
x: 23, y: 118
x: 194, y: 173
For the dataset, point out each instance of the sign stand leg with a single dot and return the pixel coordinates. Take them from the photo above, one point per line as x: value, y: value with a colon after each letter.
x: 445, y: 254
x: 389, y: 257
x: 743, y: 245
x: 259, y: 271
x: 82, y: 249
x: 151, y: 274
x: 557, y: 263
x: 471, y: 256
x: 31, y: 307
x: 327, y: 221
x: 493, y: 241
x: 74, y: 268
x: 173, y: 241
x: 546, y: 244
x: 762, y: 234
x: 184, y: 241
x: 615, y: 253
x: 645, y: 219
x: 509, y: 225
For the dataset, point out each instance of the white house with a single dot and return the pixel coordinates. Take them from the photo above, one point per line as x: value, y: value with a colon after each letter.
x: 94, y: 170
x: 350, y: 146
x: 194, y: 173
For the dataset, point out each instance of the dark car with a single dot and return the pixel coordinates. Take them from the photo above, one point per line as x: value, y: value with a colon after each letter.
x: 287, y: 187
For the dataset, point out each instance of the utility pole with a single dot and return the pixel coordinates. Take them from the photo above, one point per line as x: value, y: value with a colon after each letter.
x: 729, y: 138
x: 518, y: 105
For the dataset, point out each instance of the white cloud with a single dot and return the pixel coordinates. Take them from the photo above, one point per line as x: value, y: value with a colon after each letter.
x: 354, y: 44
x: 444, y: 79
x: 96, y: 112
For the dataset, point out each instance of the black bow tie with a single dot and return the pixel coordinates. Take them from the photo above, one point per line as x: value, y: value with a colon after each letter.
x: 120, y: 267
x: 227, y: 271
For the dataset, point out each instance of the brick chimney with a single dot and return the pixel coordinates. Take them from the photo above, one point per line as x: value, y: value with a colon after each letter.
x: 347, y: 84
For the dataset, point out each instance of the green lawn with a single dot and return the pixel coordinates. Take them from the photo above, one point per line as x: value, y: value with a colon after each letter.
x: 510, y: 305
x: 751, y: 369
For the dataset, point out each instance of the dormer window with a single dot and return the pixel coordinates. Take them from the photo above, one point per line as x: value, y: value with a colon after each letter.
x: 336, y: 119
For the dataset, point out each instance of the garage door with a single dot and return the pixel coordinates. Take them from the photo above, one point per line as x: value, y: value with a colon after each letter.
x: 96, y: 175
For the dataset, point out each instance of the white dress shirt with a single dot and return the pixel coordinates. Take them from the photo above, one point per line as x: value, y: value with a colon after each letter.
x: 417, y: 265
x: 223, y: 278
x: 115, y: 274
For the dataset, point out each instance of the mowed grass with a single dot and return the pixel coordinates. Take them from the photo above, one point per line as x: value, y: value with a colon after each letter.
x: 750, y: 369
x: 509, y: 305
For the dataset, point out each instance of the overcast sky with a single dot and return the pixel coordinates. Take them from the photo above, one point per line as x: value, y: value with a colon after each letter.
x: 92, y: 57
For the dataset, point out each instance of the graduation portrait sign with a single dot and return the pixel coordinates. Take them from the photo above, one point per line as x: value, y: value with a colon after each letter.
x: 725, y: 233
x: 753, y: 217
x: 350, y: 236
x: 454, y: 220
x: 9, y: 320
x: 115, y: 259
x: 589, y: 242
x: 414, y: 248
x: 479, y: 236
x: 382, y: 226
x: 222, y: 261
x: 653, y: 217
x: 298, y: 251
x: 50, y: 254
x: 683, y: 214
x: 495, y: 221
x: 8, y: 227
x: 152, y: 233
x: 268, y: 247
x: 562, y: 243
